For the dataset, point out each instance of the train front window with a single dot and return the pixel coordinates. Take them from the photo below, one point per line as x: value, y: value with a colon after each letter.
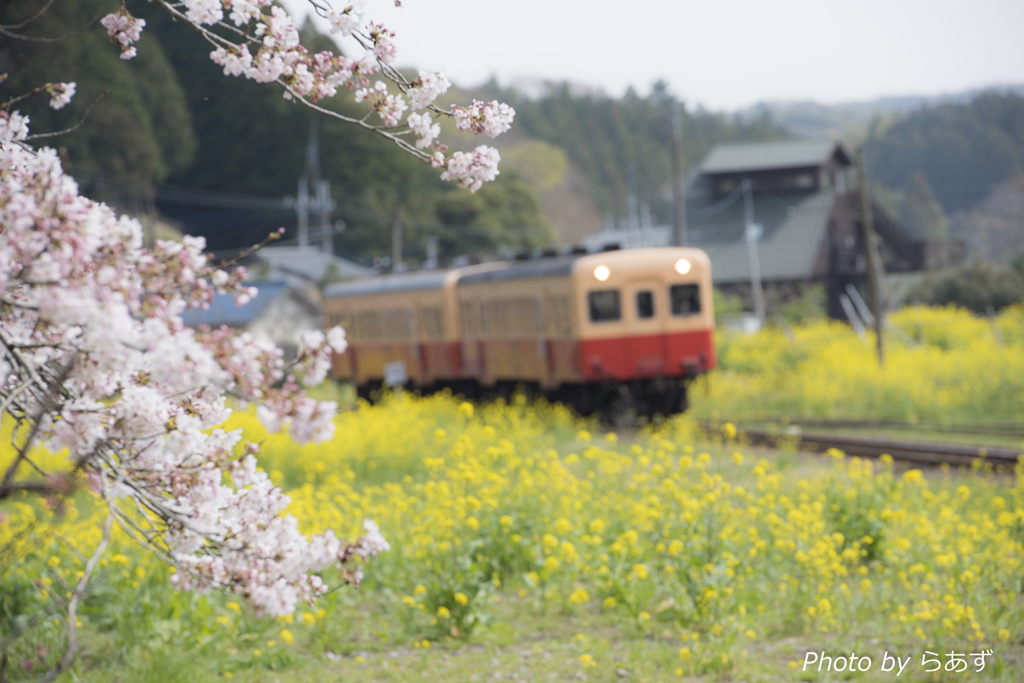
x: 645, y: 304
x: 604, y: 305
x: 685, y: 299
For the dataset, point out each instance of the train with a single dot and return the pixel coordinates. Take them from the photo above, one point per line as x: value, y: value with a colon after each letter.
x: 622, y: 330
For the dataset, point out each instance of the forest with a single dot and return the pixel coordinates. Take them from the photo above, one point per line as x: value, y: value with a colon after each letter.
x: 171, y: 128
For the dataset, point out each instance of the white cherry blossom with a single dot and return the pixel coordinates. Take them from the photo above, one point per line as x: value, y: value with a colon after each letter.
x: 94, y: 354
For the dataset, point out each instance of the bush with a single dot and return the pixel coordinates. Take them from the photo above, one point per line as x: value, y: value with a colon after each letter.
x: 976, y: 285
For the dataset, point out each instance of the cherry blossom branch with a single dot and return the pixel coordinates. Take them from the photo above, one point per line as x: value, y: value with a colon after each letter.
x: 245, y: 253
x: 73, y: 128
x: 76, y: 597
x: 35, y: 16
x: 95, y: 359
x: 6, y: 29
x: 277, y: 57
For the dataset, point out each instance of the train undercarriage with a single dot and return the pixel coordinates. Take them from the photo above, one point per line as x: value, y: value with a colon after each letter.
x: 613, y: 401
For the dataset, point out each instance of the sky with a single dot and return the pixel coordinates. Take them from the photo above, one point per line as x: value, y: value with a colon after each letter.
x: 722, y: 54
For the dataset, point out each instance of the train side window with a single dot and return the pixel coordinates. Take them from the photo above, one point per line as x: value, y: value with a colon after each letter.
x: 558, y: 308
x: 685, y: 299
x: 645, y: 304
x: 604, y: 305
x: 433, y: 321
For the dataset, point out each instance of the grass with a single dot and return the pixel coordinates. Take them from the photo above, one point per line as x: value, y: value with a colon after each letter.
x: 525, y: 642
x: 529, y: 545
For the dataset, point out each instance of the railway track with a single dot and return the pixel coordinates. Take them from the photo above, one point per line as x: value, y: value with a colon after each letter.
x: 1010, y: 430
x: 922, y: 452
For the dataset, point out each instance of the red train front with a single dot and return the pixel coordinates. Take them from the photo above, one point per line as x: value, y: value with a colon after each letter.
x: 609, y: 332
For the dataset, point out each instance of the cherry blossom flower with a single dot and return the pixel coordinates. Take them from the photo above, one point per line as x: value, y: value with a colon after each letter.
x: 268, y: 50
x: 472, y: 170
x: 426, y: 130
x: 13, y: 126
x: 348, y: 19
x: 204, y: 11
x: 123, y: 29
x: 427, y: 88
x: 61, y: 94
x: 490, y: 118
x: 91, y: 323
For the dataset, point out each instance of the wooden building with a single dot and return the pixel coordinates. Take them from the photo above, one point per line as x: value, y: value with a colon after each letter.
x: 806, y: 201
x: 808, y: 208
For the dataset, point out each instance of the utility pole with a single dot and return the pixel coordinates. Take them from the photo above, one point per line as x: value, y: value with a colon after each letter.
x: 750, y: 230
x: 680, y: 238
x: 302, y: 211
x: 872, y: 259
x: 320, y: 202
x: 433, y: 251
x: 632, y: 213
x: 324, y: 203
x: 396, y: 240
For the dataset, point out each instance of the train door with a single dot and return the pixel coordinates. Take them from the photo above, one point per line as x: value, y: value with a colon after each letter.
x: 645, y: 314
x: 471, y: 339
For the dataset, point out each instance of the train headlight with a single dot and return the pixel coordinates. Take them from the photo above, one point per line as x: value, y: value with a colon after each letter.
x: 682, y: 266
x: 602, y: 273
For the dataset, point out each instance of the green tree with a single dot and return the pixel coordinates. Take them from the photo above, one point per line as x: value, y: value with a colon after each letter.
x: 962, y: 149
x: 975, y: 285
x: 612, y: 139
x: 139, y: 134
x: 921, y: 212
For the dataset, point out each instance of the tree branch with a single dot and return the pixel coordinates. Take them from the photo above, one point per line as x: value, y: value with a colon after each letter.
x: 30, y: 19
x: 74, y: 127
x: 31, y: 39
x: 76, y: 597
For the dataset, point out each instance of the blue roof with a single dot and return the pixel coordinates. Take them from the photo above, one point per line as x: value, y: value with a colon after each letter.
x: 223, y: 311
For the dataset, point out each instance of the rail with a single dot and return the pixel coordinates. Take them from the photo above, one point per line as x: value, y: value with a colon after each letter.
x: 995, y: 429
x: 923, y: 452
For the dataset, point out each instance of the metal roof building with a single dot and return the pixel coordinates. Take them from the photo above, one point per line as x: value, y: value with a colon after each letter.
x: 804, y: 201
x: 280, y: 311
x: 770, y: 156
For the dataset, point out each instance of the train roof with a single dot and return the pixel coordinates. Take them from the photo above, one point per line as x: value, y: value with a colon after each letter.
x: 407, y: 282
x: 387, y: 284
x: 494, y: 271
x: 522, y: 270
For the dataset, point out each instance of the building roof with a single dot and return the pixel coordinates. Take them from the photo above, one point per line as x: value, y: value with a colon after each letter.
x: 223, y: 311
x: 794, y: 226
x: 310, y: 263
x: 768, y: 156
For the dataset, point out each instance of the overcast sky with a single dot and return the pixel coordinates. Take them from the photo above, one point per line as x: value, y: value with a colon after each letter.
x: 724, y: 54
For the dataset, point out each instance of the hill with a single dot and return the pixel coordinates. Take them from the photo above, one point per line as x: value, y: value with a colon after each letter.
x: 851, y: 120
x: 230, y: 148
x: 614, y: 147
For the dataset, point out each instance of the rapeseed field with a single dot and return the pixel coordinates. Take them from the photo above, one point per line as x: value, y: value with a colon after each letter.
x: 528, y: 544
x: 942, y: 365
